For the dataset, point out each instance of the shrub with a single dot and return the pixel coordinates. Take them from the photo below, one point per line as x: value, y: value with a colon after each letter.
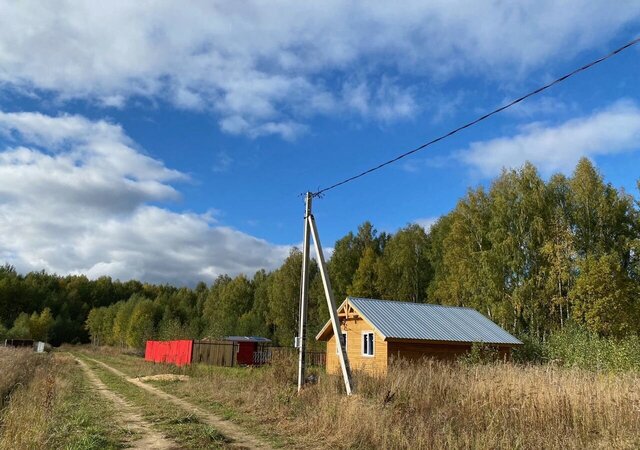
x: 576, y: 347
x: 532, y: 350
x: 480, y: 354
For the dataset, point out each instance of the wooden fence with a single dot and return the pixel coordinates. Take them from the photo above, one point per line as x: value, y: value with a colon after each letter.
x: 215, y: 353
x: 313, y: 358
x: 225, y: 353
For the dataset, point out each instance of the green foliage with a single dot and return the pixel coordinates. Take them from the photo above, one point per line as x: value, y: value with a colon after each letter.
x: 365, y: 279
x: 404, y: 270
x: 121, y: 321
x: 141, y: 324
x: 532, y: 350
x: 257, y: 321
x: 532, y: 255
x: 68, y: 299
x: 170, y: 327
x: 228, y: 300
x: 480, y: 354
x: 604, y: 298
x: 347, y: 258
x: 284, y: 296
x: 40, y: 325
x: 94, y: 325
x: 21, y: 327
x: 574, y: 346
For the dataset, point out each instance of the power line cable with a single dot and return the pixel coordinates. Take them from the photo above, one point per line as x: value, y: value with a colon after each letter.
x: 319, y: 192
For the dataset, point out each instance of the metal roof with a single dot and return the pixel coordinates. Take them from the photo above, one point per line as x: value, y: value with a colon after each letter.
x: 246, y: 339
x: 420, y: 321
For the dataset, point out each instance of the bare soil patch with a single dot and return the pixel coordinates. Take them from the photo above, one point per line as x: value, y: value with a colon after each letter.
x: 164, y: 377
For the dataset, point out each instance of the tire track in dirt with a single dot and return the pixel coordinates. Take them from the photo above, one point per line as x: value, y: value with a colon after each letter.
x: 232, y: 431
x: 129, y: 419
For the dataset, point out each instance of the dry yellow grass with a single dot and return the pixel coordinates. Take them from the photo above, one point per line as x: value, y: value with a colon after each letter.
x: 51, y: 405
x: 431, y: 405
x: 25, y: 423
x: 16, y: 368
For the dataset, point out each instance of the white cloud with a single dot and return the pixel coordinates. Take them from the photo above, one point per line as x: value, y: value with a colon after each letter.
x: 558, y: 148
x: 541, y: 106
x: 386, y: 103
x: 427, y: 222
x: 76, y: 197
x: 264, y: 67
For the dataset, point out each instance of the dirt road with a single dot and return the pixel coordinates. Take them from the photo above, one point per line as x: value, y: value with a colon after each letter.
x: 147, y: 437
x: 239, y: 437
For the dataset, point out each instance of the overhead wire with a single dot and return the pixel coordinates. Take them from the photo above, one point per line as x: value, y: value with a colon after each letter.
x: 321, y: 191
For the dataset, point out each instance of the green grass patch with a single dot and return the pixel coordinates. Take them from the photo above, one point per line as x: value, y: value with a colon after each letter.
x: 184, y: 428
x: 197, y: 390
x: 84, y: 420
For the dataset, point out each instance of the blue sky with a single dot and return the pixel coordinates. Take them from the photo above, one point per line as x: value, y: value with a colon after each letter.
x: 149, y: 140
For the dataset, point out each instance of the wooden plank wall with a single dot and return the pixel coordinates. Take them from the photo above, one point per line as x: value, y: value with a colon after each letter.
x: 417, y: 351
x: 355, y: 327
x: 446, y: 352
x: 215, y: 353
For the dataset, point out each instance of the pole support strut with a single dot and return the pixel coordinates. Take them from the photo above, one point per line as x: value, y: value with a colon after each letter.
x: 335, y: 322
x: 311, y: 230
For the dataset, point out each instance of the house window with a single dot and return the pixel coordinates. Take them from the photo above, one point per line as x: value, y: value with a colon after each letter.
x: 367, y: 343
x: 344, y: 340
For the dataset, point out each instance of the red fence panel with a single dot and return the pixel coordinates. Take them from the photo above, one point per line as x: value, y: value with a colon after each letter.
x: 149, y: 351
x: 172, y: 352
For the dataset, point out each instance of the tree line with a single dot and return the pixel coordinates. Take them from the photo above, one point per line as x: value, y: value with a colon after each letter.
x: 532, y: 255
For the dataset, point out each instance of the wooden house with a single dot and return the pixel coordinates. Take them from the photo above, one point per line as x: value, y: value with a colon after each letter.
x: 376, y: 331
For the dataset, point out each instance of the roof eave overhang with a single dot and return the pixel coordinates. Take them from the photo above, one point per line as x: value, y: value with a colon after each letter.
x: 327, y: 331
x: 433, y: 341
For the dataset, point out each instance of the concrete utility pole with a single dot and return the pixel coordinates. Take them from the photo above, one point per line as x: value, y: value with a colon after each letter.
x: 310, y: 226
x: 304, y: 296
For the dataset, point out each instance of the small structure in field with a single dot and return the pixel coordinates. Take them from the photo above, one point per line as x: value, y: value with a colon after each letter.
x: 376, y: 331
x: 18, y: 342
x: 249, y: 348
x: 41, y: 347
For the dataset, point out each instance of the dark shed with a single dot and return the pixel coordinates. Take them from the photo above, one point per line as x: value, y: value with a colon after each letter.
x: 247, y: 346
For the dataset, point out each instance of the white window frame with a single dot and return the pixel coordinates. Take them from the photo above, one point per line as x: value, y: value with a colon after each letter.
x: 344, y: 333
x: 373, y: 344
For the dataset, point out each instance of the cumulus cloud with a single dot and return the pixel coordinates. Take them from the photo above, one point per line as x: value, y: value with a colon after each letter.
x: 263, y: 67
x: 558, y: 148
x: 386, y: 102
x: 77, y: 197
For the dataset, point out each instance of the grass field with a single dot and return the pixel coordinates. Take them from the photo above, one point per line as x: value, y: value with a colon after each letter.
x: 430, y: 405
x: 183, y: 428
x: 49, y: 404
